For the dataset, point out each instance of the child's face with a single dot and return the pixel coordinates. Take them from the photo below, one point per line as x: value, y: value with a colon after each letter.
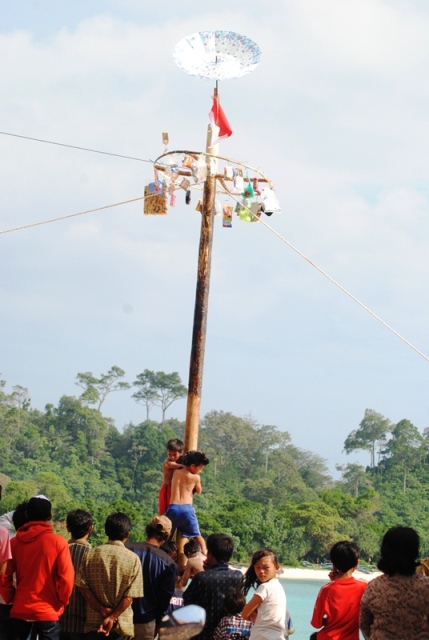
x: 266, y: 569
x: 173, y: 455
x: 196, y: 468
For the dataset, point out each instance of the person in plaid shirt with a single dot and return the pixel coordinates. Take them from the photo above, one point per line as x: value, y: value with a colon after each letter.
x: 233, y: 626
x: 209, y: 587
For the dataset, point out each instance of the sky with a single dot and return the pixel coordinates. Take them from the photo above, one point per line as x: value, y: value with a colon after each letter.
x: 336, y: 114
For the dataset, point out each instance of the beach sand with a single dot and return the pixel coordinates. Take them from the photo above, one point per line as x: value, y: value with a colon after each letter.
x: 293, y: 573
x: 304, y: 573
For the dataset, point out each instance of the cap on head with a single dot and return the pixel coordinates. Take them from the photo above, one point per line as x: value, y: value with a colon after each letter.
x: 162, y: 524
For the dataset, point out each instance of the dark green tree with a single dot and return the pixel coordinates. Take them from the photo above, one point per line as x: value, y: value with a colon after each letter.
x: 96, y: 390
x: 372, y: 429
x: 269, y: 439
x: 354, y: 479
x: 405, y: 448
x: 157, y: 388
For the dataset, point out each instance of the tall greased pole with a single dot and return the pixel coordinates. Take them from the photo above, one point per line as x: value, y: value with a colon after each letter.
x: 201, y: 308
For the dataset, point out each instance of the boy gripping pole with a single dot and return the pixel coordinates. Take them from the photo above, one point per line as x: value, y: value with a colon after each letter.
x: 185, y: 483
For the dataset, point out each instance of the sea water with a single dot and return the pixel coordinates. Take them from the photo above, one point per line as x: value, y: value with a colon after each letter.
x: 300, y: 597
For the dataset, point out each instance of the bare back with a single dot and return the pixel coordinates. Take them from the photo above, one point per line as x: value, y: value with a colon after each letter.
x: 183, y: 485
x: 194, y: 565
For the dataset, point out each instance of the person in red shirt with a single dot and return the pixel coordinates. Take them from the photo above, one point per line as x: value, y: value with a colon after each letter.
x: 44, y: 575
x: 337, y: 605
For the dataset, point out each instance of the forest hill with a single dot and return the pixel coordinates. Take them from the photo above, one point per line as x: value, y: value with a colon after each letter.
x: 260, y: 488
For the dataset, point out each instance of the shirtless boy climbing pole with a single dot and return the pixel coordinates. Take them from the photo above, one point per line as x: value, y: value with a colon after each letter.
x: 185, y: 483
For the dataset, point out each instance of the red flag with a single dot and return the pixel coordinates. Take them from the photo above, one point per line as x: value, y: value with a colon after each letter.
x: 219, y: 122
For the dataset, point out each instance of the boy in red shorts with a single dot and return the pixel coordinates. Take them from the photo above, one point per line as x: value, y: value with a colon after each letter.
x: 174, y: 451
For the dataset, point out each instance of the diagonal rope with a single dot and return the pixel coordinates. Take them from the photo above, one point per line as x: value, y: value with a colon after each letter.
x: 72, y: 146
x: 81, y: 213
x: 337, y: 284
x: 71, y: 215
x: 282, y: 238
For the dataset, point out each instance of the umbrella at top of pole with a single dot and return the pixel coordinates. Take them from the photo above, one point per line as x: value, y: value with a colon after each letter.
x: 217, y: 55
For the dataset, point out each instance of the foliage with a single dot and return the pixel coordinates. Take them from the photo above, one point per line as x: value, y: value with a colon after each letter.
x: 259, y: 487
x: 158, y: 388
x: 372, y: 430
x: 96, y: 390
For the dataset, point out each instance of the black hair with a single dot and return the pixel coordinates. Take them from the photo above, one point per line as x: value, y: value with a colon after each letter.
x: 250, y: 578
x: 170, y: 547
x: 234, y: 601
x: 191, y: 547
x: 344, y: 555
x: 157, y: 534
x: 221, y: 546
x: 78, y: 523
x: 19, y: 516
x: 174, y: 444
x: 399, y: 551
x: 39, y: 509
x: 194, y: 457
x: 117, y: 526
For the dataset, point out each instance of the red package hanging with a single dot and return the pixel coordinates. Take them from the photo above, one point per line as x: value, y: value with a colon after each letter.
x: 256, y: 187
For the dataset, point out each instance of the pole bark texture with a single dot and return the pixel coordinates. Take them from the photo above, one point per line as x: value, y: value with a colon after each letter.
x: 200, y: 316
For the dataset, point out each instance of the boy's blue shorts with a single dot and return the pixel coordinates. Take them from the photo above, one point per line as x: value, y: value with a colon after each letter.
x: 184, y: 519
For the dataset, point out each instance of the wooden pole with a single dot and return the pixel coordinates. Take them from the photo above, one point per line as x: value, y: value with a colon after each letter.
x: 200, y: 313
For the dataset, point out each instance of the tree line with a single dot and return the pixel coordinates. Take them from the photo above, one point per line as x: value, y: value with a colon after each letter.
x: 154, y: 388
x: 259, y: 487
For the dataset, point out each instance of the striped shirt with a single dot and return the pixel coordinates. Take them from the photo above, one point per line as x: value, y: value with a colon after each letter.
x: 73, y: 618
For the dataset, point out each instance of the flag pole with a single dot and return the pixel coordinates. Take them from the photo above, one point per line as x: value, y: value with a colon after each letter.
x: 199, y: 331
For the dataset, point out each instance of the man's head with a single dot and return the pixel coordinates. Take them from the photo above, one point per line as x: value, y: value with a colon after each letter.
x: 174, y: 449
x: 195, y: 460
x: 79, y: 523
x: 219, y: 549
x: 170, y: 548
x: 191, y: 548
x: 117, y: 526
x: 19, y: 516
x: 39, y: 509
x: 344, y: 555
x: 159, y: 529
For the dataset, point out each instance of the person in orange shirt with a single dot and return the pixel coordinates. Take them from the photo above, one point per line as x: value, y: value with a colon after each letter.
x: 44, y: 575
